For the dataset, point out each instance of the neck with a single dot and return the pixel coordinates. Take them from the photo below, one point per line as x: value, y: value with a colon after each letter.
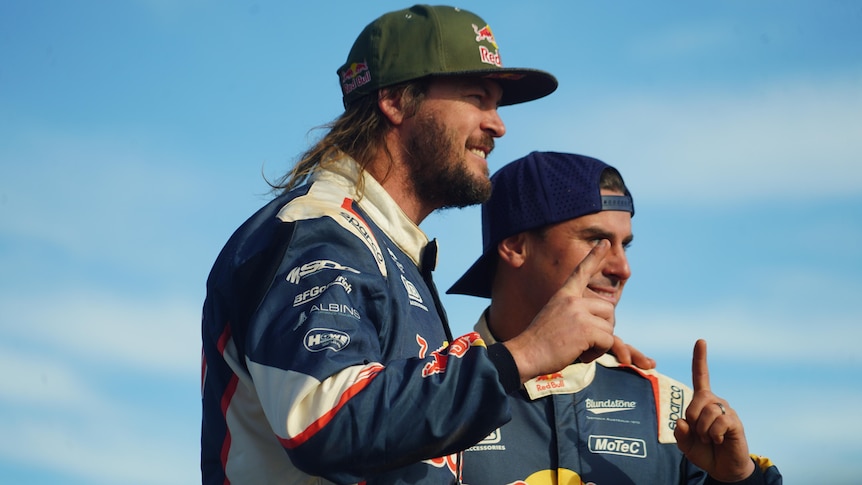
x: 400, y: 188
x: 507, y: 317
x: 393, y: 175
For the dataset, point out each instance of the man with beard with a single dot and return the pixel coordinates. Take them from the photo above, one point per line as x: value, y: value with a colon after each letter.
x: 327, y: 354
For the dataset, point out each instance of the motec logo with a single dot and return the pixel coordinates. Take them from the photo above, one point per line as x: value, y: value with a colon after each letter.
x: 300, y: 272
x: 615, y: 445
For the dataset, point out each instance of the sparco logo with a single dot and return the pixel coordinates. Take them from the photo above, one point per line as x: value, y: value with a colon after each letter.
x: 312, y: 267
x: 677, y: 397
x: 614, y: 445
x: 610, y: 406
x: 363, y: 231
x: 318, y: 339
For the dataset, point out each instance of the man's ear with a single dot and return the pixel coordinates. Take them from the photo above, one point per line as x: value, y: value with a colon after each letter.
x: 513, y: 250
x: 391, y: 104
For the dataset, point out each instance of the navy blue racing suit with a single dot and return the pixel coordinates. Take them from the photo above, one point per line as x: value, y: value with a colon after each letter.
x: 600, y: 423
x: 326, y: 354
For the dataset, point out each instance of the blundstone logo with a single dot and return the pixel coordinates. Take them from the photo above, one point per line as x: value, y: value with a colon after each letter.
x: 610, y: 406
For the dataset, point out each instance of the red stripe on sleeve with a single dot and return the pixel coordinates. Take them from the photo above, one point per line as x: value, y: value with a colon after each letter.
x: 364, y: 379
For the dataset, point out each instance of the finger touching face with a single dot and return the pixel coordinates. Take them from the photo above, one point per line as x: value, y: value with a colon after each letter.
x: 554, y: 252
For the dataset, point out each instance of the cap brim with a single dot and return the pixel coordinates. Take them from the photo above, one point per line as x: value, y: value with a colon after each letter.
x: 477, y: 280
x: 519, y: 85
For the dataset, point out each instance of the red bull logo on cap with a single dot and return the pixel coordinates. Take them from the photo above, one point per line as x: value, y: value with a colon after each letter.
x: 487, y: 55
x: 354, y: 76
x: 485, y: 34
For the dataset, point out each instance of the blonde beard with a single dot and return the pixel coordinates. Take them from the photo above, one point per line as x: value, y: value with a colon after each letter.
x: 438, y: 171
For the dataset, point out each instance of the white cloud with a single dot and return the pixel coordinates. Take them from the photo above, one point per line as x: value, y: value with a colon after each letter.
x: 74, y: 188
x: 783, y: 419
x: 102, y: 450
x: 683, y: 40
x: 800, y: 138
x: 63, y: 415
x: 41, y: 380
x: 149, y: 334
x: 737, y: 331
x: 110, y: 202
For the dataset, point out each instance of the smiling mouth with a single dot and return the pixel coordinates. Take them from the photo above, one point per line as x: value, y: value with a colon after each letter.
x: 604, y: 294
x: 478, y: 153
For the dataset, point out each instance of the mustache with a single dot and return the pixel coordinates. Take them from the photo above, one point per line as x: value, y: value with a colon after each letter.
x: 484, y: 141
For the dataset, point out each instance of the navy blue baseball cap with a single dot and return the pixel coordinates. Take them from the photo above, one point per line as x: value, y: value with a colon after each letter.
x: 538, y: 190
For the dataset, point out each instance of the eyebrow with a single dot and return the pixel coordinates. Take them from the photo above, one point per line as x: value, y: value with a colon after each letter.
x: 593, y: 232
x: 468, y: 82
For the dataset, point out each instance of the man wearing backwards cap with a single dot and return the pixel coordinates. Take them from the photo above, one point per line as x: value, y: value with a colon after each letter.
x: 554, y: 218
x: 327, y: 356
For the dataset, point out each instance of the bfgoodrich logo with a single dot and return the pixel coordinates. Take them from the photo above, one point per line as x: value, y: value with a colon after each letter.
x: 315, y: 291
x: 615, y: 445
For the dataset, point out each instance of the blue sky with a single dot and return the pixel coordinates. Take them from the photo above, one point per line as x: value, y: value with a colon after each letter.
x: 135, y: 137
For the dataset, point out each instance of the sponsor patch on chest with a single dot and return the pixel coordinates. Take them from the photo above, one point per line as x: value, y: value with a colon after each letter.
x: 318, y: 339
x: 617, y: 445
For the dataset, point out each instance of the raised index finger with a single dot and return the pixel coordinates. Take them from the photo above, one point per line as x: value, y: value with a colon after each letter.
x: 580, y: 277
x: 699, y: 368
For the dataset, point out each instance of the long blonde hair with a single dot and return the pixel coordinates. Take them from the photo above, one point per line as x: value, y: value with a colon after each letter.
x: 359, y: 132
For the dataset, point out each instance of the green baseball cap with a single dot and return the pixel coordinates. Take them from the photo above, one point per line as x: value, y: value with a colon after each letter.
x: 426, y: 40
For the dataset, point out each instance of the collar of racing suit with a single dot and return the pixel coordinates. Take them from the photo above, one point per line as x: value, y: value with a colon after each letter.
x: 379, y: 206
x: 572, y: 379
